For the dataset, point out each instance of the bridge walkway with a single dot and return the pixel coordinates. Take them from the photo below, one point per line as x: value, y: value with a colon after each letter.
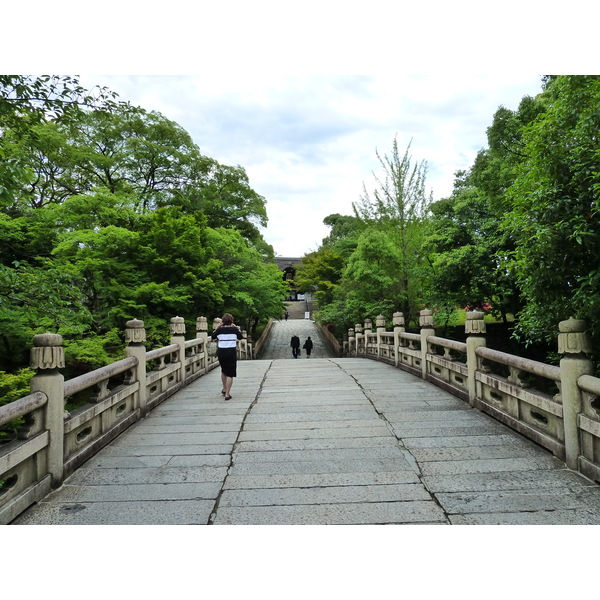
x: 319, y: 441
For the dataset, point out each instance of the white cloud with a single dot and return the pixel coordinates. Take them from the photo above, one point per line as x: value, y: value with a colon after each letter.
x: 308, y: 143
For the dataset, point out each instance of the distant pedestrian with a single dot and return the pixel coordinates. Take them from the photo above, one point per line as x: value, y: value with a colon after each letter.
x: 227, y: 335
x: 295, y: 344
x: 308, y: 346
x: 286, y: 315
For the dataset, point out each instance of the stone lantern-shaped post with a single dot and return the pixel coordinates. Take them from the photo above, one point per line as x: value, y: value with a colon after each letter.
x: 475, y: 330
x: 202, y: 333
x: 243, y: 345
x: 351, y: 342
x: 368, y: 329
x: 360, y: 343
x: 380, y: 325
x: 426, y: 324
x: 135, y: 338
x: 398, y: 321
x: 573, y: 343
x: 178, y: 337
x: 47, y: 357
x: 201, y: 328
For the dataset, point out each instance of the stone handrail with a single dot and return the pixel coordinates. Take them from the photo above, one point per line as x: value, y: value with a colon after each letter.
x: 524, y: 364
x: 21, y: 407
x: 52, y: 442
x: 263, y: 338
x: 87, y: 380
x: 557, y: 407
x: 445, y: 343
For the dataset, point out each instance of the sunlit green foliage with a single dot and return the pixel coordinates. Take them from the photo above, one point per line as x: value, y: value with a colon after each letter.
x: 109, y: 212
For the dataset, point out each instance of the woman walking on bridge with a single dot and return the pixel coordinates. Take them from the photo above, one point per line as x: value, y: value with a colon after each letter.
x: 227, y: 335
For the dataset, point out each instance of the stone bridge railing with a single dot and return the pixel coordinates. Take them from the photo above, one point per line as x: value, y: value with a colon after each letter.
x: 52, y: 442
x: 556, y: 406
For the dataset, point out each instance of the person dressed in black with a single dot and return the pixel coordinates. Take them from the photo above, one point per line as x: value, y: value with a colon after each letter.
x: 295, y: 344
x: 227, y: 335
x: 308, y: 346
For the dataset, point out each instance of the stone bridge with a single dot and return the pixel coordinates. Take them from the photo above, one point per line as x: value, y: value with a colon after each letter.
x: 400, y: 428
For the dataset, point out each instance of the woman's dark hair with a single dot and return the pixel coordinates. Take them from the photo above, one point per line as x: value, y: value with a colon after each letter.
x: 227, y: 319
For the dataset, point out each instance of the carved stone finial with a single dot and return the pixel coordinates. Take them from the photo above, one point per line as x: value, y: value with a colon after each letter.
x: 368, y: 324
x: 47, y: 351
x: 426, y: 318
x: 573, y: 337
x: 358, y: 328
x: 177, y: 326
x: 398, y: 319
x: 380, y: 321
x: 135, y: 332
x: 475, y: 325
x: 201, y: 324
x: 350, y: 333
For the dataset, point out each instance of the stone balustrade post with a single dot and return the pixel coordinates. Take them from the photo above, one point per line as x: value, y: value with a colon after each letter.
x: 351, y: 342
x: 398, y: 322
x: 368, y: 328
x: 358, y: 328
x: 202, y: 333
x: 380, y: 328
x: 215, y: 322
x: 178, y: 337
x: 243, y: 346
x: 475, y: 330
x: 573, y: 343
x: 426, y: 324
x: 135, y: 338
x: 47, y: 357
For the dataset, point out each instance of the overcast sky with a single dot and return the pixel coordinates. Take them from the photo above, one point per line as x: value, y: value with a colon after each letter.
x: 309, y: 142
x: 270, y: 86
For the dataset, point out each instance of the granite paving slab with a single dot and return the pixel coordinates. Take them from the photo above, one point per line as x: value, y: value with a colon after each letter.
x: 383, y: 441
x: 164, y: 475
x: 320, y: 480
x: 514, y: 501
x: 161, y: 512
x: 475, y: 452
x: 564, y: 479
x: 324, y: 495
x: 372, y: 513
x: 243, y: 455
x: 319, y: 466
x: 187, y: 449
x: 312, y: 433
x: 545, y: 517
x: 131, y: 492
x: 491, y: 465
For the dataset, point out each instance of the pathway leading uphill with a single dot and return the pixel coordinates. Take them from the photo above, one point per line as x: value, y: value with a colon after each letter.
x: 278, y: 343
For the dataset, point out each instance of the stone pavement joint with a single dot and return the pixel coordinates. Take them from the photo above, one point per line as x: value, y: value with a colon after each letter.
x: 234, y: 447
x: 318, y: 441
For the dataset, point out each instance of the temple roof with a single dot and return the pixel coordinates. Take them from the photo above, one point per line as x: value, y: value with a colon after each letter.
x: 285, y: 261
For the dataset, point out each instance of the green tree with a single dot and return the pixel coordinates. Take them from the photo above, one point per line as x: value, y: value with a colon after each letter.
x: 26, y: 101
x: 468, y: 253
x: 554, y: 216
x: 252, y: 289
x: 320, y: 273
x: 369, y: 285
x: 398, y: 206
